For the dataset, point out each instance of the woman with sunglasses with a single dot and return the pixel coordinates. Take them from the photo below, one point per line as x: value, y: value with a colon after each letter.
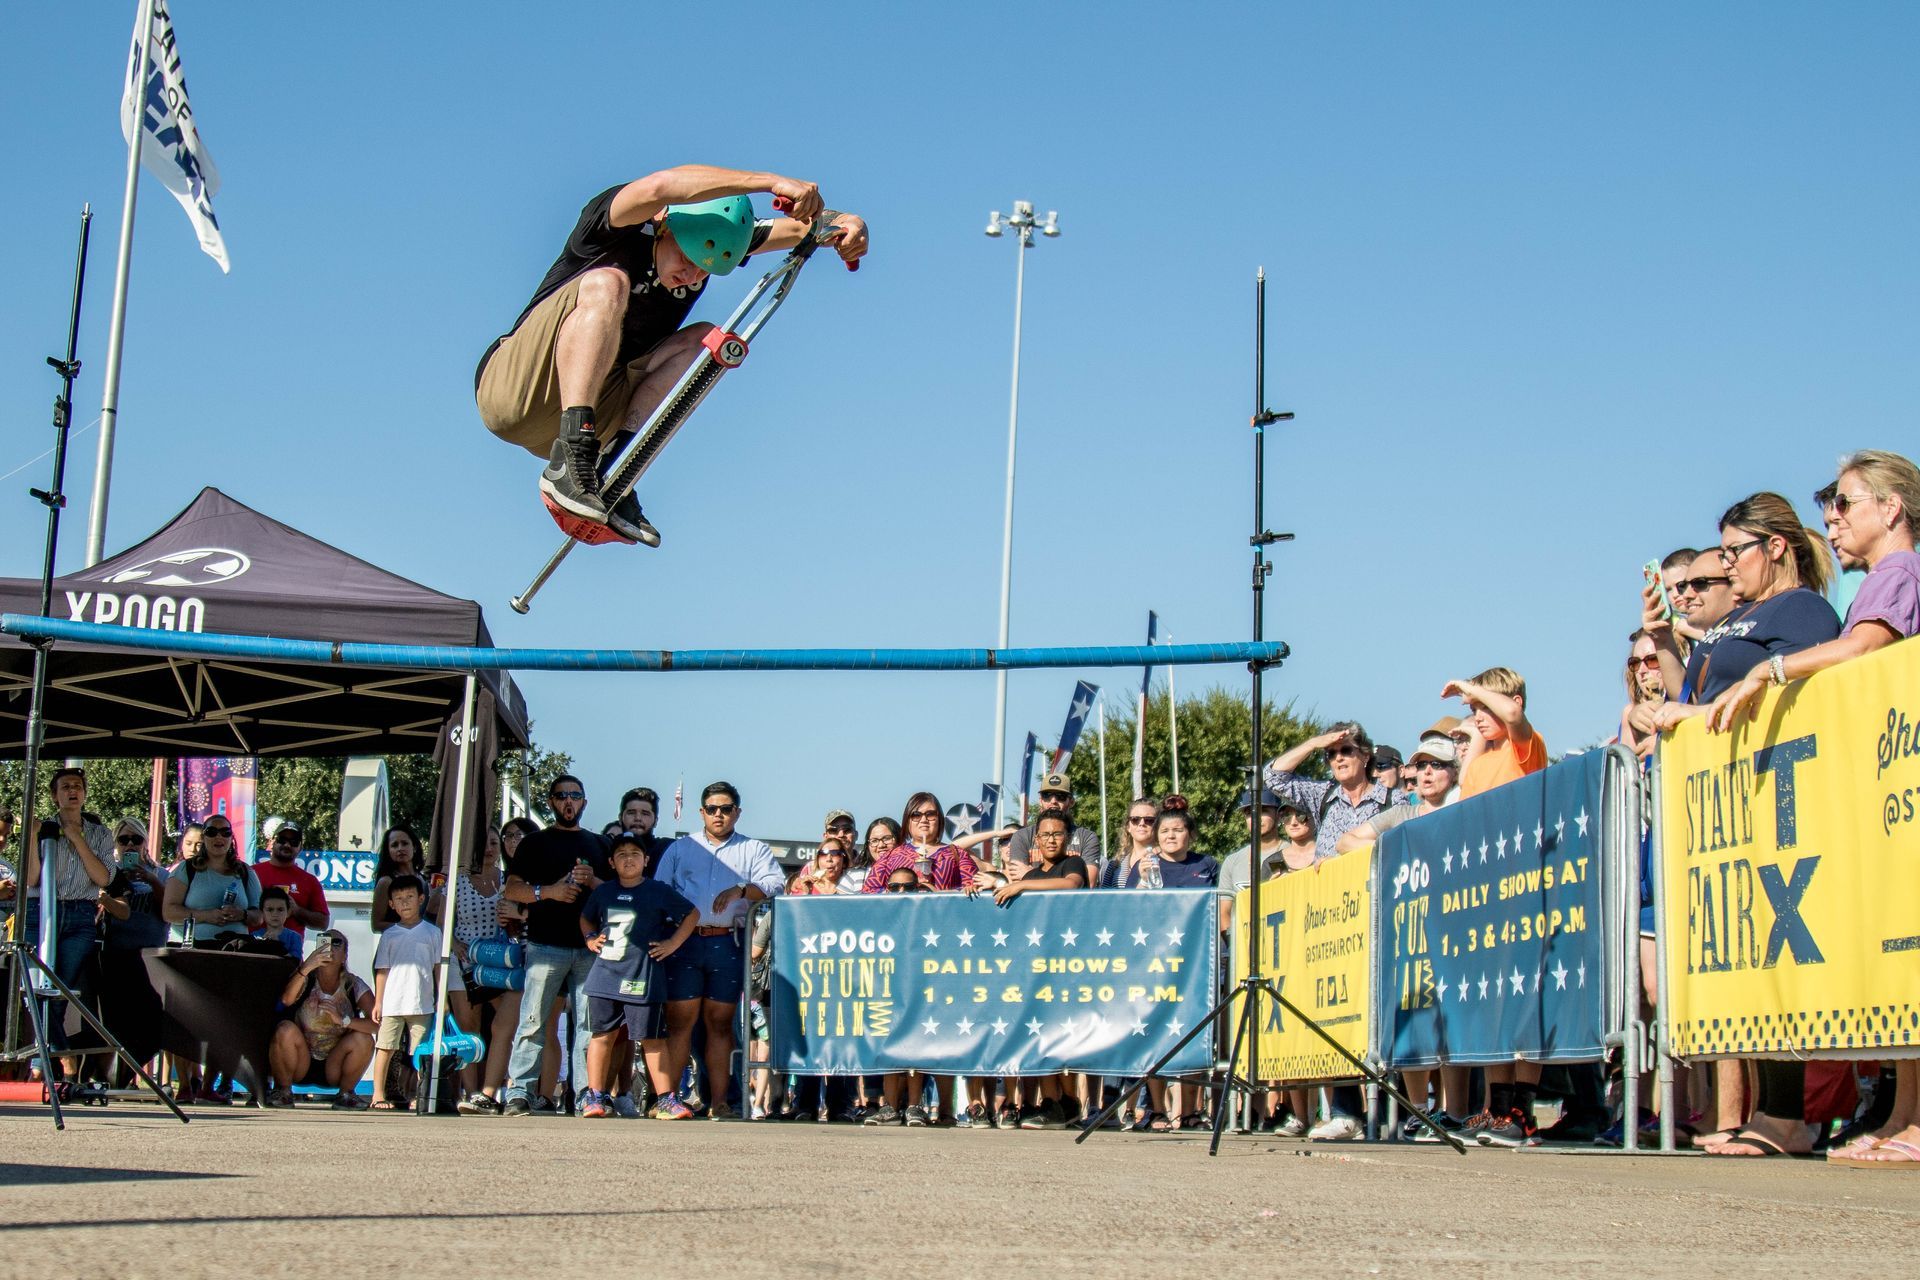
x: 922, y: 849
x: 477, y: 918
x: 1645, y: 684
x: 1871, y: 516
x: 1136, y: 844
x: 214, y: 893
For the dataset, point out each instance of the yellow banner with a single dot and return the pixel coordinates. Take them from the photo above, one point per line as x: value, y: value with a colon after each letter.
x: 1791, y: 856
x: 1315, y: 933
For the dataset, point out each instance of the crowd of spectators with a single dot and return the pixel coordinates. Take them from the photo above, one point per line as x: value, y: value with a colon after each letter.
x: 636, y: 947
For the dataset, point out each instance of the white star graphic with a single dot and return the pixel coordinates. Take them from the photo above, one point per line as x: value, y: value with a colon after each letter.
x: 1176, y: 1027
x: 1500, y: 845
x: 1559, y: 828
x: 1174, y: 936
x: 1034, y: 1027
x: 930, y: 1026
x: 1139, y: 1027
x: 1447, y: 861
x: 1139, y: 937
x: 931, y: 938
x: 1095, y: 1024
x: 809, y: 945
x: 999, y: 1027
x: 965, y: 1027
x: 965, y: 937
x: 1536, y: 982
x: 1580, y: 820
x: 1583, y: 974
x: 1483, y: 853
x: 1463, y: 991
x: 1035, y: 937
x: 1483, y: 986
x: 1104, y: 937
x: 1442, y: 988
x: 1081, y: 705
x: 1067, y: 1028
x: 1538, y: 832
x: 1068, y: 938
x: 1519, y: 842
x: 999, y: 937
x: 1518, y: 980
x: 1559, y: 976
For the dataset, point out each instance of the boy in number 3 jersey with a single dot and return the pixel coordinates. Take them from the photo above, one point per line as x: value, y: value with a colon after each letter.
x: 630, y: 926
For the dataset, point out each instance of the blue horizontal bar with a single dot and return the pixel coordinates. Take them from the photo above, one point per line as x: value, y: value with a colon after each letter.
x: 456, y: 658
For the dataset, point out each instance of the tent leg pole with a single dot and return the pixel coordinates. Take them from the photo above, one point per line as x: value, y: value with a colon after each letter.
x: 453, y: 860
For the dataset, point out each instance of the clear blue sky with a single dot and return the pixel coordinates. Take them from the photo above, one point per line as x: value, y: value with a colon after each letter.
x: 1550, y: 287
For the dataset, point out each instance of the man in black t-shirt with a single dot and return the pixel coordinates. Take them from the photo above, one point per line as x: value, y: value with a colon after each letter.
x: 553, y: 871
x: 602, y: 341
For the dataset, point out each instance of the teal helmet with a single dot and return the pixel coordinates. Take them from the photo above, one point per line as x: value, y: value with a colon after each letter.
x: 714, y: 234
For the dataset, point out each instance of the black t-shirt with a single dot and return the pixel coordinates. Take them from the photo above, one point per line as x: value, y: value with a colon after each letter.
x: 545, y: 857
x: 1069, y: 864
x: 1783, y: 624
x: 653, y: 313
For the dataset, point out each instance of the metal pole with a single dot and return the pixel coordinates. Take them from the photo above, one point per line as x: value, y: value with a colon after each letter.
x: 1006, y: 527
x: 452, y: 860
x: 1662, y: 1050
x: 1106, y: 844
x: 1173, y: 722
x: 116, y: 334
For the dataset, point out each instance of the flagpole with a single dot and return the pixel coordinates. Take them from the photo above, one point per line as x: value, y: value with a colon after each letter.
x: 1173, y: 721
x: 1101, y: 705
x: 116, y: 334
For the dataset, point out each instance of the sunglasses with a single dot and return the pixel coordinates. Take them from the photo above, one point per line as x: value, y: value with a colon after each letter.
x: 902, y: 886
x: 1346, y: 751
x: 1698, y: 586
x: 924, y: 813
x: 1650, y: 661
x: 1841, y: 503
x: 130, y: 840
x: 840, y: 829
x: 718, y: 810
x: 286, y: 838
x: 218, y: 833
x: 1431, y: 764
x: 1140, y: 820
x: 567, y: 795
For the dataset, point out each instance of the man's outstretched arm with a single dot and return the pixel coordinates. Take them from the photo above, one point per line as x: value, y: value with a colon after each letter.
x: 641, y: 199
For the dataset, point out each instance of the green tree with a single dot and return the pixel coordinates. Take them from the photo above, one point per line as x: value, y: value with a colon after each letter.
x: 1216, y: 739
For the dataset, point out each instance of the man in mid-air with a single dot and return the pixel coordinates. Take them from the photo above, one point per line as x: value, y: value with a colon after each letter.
x: 605, y: 336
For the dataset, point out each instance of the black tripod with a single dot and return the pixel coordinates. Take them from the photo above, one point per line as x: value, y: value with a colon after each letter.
x: 18, y: 953
x: 1255, y: 987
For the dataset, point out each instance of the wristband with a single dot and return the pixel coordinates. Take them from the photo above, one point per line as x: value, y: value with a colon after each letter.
x: 1777, y: 669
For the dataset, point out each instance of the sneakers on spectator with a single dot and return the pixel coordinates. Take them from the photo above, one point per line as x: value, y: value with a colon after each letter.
x: 277, y: 1098
x: 882, y: 1114
x: 1517, y: 1130
x: 595, y: 1105
x: 1047, y: 1115
x: 974, y: 1114
x: 1423, y: 1134
x: 669, y: 1107
x: 721, y: 1111
x: 1336, y: 1129
x: 517, y: 1107
x: 1292, y: 1127
x: 477, y: 1104
x: 625, y: 1106
x: 916, y: 1116
x: 1475, y: 1125
x: 1006, y: 1118
x: 856, y: 1114
x: 545, y: 1106
x: 1614, y: 1135
x: 347, y: 1100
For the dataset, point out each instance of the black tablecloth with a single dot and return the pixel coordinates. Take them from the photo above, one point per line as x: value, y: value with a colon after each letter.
x: 219, y: 1007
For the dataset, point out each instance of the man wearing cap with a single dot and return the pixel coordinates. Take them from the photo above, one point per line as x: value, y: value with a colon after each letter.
x: 1056, y: 796
x: 602, y: 341
x: 282, y: 867
x: 1236, y: 869
x: 1388, y: 769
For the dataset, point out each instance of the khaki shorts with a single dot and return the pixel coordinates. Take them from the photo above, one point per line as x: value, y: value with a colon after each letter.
x: 519, y: 391
x: 402, y: 1031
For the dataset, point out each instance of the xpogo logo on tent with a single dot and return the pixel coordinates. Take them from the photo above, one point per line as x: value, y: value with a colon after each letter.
x: 200, y: 567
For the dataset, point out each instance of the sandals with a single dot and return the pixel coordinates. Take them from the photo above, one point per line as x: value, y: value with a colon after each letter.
x: 1195, y: 1120
x: 384, y: 1104
x: 1158, y: 1122
x: 1906, y: 1155
x: 1747, y: 1137
x: 1847, y: 1152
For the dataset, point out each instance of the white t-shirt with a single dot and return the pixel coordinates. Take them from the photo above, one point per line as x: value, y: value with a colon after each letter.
x: 408, y: 956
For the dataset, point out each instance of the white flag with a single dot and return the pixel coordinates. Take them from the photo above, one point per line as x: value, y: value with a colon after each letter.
x: 170, y: 146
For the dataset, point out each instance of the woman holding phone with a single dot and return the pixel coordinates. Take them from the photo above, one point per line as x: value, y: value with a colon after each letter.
x: 326, y: 1035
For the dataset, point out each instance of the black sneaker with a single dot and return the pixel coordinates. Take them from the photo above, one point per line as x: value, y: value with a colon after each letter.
x: 572, y: 479
x: 516, y: 1107
x: 916, y: 1117
x: 629, y: 521
x: 1517, y: 1130
x: 1423, y: 1134
x: 1045, y: 1116
x: 1006, y: 1118
x: 545, y: 1106
x: 880, y: 1115
x: 478, y: 1104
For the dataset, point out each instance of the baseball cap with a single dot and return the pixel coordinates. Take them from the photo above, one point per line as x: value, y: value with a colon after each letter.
x: 285, y: 827
x: 1385, y: 757
x: 1268, y: 800
x: 1056, y: 782
x: 834, y: 815
x: 1437, y: 746
x: 621, y: 839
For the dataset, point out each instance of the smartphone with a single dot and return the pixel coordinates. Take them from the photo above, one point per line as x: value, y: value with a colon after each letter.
x: 1651, y: 572
x: 324, y: 946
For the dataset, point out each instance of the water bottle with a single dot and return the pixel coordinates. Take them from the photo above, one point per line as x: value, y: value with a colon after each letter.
x: 1150, y: 873
x: 232, y: 896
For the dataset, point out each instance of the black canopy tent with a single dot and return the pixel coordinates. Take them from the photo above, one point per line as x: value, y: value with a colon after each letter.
x: 221, y: 566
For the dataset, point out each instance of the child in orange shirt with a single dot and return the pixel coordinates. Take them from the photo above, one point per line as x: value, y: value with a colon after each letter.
x: 1510, y: 750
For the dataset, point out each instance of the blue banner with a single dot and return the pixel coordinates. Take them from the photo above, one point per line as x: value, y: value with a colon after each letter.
x: 1492, y: 926
x: 1102, y: 982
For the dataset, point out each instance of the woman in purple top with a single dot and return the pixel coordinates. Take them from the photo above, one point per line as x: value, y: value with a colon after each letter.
x: 1871, y: 524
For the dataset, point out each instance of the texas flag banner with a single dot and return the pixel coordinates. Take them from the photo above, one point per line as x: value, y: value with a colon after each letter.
x: 1077, y: 712
x: 170, y: 145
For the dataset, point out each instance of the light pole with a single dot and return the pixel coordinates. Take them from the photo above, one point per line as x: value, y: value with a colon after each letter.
x: 1024, y: 225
